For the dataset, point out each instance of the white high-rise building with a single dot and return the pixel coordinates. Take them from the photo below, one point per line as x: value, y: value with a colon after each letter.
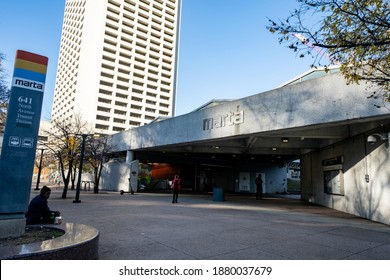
x: 117, y: 64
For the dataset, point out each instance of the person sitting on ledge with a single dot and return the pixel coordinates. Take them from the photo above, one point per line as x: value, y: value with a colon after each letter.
x: 39, y: 211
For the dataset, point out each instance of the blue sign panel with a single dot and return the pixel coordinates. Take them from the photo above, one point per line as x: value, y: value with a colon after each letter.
x: 21, y: 133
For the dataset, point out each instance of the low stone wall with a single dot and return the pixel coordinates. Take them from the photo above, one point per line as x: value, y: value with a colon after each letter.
x: 79, y: 242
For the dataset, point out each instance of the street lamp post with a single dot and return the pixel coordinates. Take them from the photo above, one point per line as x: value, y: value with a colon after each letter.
x: 39, y: 170
x: 77, y: 199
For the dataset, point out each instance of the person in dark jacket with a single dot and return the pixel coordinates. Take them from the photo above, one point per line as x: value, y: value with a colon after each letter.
x: 38, y: 210
x: 259, y: 187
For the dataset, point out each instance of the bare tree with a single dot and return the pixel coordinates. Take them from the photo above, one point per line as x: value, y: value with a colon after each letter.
x: 47, y: 159
x: 64, y: 144
x: 97, y: 150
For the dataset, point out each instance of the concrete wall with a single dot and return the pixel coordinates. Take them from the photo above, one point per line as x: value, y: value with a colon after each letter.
x: 115, y: 176
x: 275, y: 177
x: 365, y: 199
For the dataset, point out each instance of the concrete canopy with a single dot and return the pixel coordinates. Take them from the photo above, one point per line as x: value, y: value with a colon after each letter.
x: 275, y: 126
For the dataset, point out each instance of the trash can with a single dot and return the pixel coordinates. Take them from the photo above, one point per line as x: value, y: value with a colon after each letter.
x: 218, y: 194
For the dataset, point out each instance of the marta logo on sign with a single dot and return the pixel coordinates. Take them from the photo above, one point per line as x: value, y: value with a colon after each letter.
x: 30, y: 71
x: 28, y: 84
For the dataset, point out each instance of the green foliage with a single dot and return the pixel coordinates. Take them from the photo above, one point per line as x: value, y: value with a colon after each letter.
x: 354, y: 34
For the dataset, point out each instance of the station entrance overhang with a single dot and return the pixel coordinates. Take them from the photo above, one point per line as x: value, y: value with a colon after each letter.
x: 276, y: 147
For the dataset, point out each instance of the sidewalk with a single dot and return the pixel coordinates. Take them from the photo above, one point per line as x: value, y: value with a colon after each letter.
x: 147, y: 226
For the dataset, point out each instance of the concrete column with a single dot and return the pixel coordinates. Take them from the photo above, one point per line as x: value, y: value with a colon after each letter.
x: 129, y: 157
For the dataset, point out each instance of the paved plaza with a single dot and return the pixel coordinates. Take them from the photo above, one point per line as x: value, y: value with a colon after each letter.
x: 147, y: 226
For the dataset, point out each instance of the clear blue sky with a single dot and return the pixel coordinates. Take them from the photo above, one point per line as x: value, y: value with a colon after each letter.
x: 225, y: 50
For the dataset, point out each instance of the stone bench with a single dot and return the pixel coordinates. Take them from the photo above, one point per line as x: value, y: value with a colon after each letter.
x: 87, y: 185
x: 79, y: 242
